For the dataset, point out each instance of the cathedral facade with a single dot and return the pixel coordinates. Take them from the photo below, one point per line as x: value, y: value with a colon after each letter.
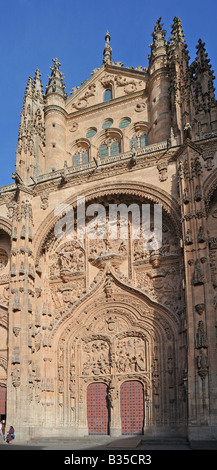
x: 100, y: 335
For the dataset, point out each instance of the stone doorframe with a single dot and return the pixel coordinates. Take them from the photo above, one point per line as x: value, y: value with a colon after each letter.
x: 111, y: 340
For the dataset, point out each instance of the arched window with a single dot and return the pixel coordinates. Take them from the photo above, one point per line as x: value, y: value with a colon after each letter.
x: 91, y: 132
x: 81, y: 157
x: 107, y: 124
x: 109, y: 149
x: 124, y: 123
x: 107, y: 95
x: 139, y: 141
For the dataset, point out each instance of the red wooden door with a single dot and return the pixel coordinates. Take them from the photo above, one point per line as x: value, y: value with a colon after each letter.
x: 132, y: 407
x: 97, y: 409
x: 2, y: 401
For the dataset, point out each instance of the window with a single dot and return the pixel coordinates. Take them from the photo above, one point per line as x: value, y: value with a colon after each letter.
x: 134, y: 143
x: 108, y: 123
x: 124, y: 123
x: 143, y: 140
x: 103, y: 151
x: 115, y: 148
x: 84, y: 157
x: 110, y: 149
x: 107, y: 95
x: 76, y: 159
x: 139, y: 142
x: 91, y: 132
x: 80, y: 158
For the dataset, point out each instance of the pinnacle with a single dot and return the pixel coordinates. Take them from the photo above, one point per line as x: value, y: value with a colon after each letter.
x: 38, y: 87
x: 29, y: 88
x: 177, y: 31
x: 202, y: 57
x: 56, y: 84
x: 107, y: 53
x: 159, y: 45
x: 158, y: 25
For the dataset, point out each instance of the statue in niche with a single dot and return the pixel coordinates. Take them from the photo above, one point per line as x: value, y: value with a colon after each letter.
x: 202, y: 364
x: 201, y: 235
x: 188, y: 238
x: 197, y: 194
x: 201, y: 340
x: 197, y: 277
x: 112, y: 395
x: 185, y: 196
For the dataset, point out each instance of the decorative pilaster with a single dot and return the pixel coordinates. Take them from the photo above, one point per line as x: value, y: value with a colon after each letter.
x: 199, y: 308
x: 21, y: 309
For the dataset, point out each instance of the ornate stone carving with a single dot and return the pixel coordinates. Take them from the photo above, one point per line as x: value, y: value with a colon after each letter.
x: 96, y: 359
x: 44, y: 200
x: 3, y: 259
x: 131, y: 355
x: 162, y: 168
x: 197, y: 277
x: 201, y: 340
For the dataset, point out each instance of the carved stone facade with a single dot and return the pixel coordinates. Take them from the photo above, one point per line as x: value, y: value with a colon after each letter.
x: 108, y: 313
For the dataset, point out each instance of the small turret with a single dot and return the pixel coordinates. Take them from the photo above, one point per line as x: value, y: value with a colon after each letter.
x: 159, y: 86
x: 55, y: 120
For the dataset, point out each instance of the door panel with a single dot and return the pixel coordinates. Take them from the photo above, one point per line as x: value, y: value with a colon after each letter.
x: 132, y: 407
x: 97, y: 408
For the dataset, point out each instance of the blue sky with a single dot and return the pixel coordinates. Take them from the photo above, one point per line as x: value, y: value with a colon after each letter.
x: 32, y: 32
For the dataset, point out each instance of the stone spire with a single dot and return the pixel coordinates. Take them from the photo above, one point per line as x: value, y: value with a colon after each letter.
x: 29, y: 91
x: 38, y: 87
x: 107, y: 53
x: 55, y: 84
x: 158, y: 56
x: 31, y: 137
x: 203, y: 89
x: 180, y: 80
x: 202, y: 68
x: 177, y: 32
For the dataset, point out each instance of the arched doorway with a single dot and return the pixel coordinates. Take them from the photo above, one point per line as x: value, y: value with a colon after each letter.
x: 132, y: 407
x: 97, y: 408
